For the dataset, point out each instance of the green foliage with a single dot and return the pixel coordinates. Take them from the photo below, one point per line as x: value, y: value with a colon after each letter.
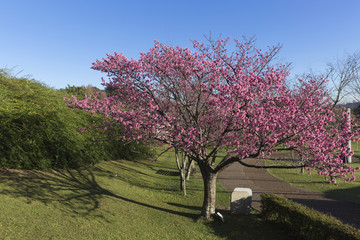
x: 74, y: 90
x: 303, y: 222
x: 38, y: 130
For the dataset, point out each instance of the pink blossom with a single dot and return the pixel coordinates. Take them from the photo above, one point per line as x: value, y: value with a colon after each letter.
x: 206, y: 100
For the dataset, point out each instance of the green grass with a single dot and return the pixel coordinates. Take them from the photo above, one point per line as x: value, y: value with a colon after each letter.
x: 355, y: 147
x: 138, y: 203
x: 318, y: 183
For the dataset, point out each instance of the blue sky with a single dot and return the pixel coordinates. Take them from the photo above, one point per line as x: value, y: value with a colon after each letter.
x: 56, y: 41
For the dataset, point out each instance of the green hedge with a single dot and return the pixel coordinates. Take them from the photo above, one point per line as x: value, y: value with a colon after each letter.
x: 303, y: 222
x: 38, y: 130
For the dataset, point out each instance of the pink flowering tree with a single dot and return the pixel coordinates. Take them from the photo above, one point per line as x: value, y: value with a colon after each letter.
x: 210, y: 100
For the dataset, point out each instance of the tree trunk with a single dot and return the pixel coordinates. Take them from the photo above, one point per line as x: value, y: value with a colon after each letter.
x: 302, y: 169
x: 191, y: 168
x: 182, y: 170
x: 183, y: 182
x: 209, y: 179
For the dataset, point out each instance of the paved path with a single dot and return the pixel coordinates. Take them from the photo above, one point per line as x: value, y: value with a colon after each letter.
x: 259, y: 181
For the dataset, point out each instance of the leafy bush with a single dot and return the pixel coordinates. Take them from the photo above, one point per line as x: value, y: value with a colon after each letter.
x: 303, y: 222
x: 38, y: 130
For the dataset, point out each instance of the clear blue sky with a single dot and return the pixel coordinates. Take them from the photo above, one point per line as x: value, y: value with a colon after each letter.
x: 56, y: 41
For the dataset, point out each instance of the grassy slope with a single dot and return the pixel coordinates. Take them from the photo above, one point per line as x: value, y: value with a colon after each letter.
x: 95, y: 204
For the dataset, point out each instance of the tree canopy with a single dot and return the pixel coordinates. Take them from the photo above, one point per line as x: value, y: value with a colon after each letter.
x: 214, y: 99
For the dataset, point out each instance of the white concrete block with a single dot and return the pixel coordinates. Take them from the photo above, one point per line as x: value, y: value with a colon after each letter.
x: 241, y: 199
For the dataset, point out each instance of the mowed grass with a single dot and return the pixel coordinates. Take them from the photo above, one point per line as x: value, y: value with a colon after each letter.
x: 313, y: 181
x: 116, y: 200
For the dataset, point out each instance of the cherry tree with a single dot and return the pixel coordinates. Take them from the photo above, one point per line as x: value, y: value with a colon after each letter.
x: 215, y: 100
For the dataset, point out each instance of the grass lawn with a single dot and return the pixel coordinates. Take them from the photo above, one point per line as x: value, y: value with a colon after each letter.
x: 116, y: 200
x: 315, y: 182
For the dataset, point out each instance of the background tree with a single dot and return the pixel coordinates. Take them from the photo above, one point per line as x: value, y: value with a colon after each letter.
x: 344, y: 78
x: 214, y: 100
x: 184, y: 165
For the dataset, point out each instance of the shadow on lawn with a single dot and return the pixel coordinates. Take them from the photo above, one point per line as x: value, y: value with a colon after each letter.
x: 348, y: 193
x: 74, y: 191
x: 247, y: 227
x: 131, y: 175
x: 77, y: 192
x: 185, y: 206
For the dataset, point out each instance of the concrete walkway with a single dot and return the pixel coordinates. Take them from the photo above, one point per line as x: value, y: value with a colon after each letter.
x: 259, y: 181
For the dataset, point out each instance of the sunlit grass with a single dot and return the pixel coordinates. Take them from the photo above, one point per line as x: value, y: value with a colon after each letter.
x: 312, y: 180
x: 116, y: 200
x: 355, y: 147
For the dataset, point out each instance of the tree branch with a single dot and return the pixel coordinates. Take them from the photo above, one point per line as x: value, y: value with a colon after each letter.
x: 267, y: 167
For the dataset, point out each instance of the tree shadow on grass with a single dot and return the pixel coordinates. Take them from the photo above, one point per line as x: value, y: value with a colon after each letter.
x: 247, y: 227
x: 197, y: 208
x: 132, y: 176
x: 76, y: 192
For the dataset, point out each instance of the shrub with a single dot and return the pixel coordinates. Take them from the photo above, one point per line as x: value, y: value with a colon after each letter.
x: 38, y: 130
x: 303, y: 222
